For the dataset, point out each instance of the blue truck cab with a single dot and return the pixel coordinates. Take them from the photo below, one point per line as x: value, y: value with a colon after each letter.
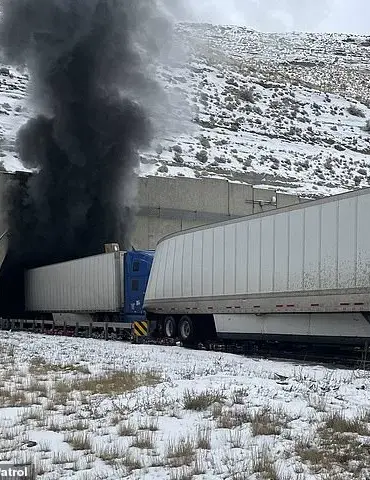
x: 137, y: 266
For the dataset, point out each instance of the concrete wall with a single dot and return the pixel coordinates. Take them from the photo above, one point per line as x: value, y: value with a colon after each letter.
x: 169, y: 205
x: 3, y: 221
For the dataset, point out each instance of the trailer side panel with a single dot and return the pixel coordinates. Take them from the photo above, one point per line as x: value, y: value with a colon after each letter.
x: 90, y: 284
x: 315, y: 257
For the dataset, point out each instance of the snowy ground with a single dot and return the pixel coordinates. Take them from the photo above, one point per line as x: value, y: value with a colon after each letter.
x: 285, y: 110
x: 112, y: 410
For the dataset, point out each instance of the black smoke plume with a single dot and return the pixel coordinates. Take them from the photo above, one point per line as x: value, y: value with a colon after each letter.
x: 85, y: 59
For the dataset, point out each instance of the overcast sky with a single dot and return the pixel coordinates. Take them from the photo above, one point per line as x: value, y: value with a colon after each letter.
x: 349, y: 16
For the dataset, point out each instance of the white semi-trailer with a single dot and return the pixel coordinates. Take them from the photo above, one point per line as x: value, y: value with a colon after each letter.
x: 106, y: 287
x: 90, y: 284
x: 296, y: 273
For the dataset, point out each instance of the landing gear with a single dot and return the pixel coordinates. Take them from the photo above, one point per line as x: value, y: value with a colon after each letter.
x: 169, y: 327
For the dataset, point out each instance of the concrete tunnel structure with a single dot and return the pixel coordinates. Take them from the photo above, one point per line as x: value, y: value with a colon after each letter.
x: 168, y: 205
x: 5, y: 179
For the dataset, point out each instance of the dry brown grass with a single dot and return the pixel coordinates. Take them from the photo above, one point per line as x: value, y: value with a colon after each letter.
x: 110, y: 452
x: 149, y: 423
x: 39, y: 366
x: 216, y: 411
x: 365, y: 415
x: 76, y: 426
x: 58, y: 399
x: 53, y: 425
x: 13, y: 398
x: 236, y: 439
x: 131, y: 462
x: 45, y: 446
x: 303, y: 442
x: 34, y: 385
x: 203, y: 439
x: 231, y: 418
x: 111, y: 383
x: 264, y: 464
x: 63, y: 457
x: 63, y: 387
x: 200, y: 464
x: 338, y: 446
x: 78, y: 440
x: 33, y: 413
x: 239, y: 396
x: 337, y: 422
x: 268, y: 422
x: 116, y: 419
x: 126, y: 429
x: 201, y: 401
x: 144, y: 439
x: 10, y: 433
x: 181, y: 452
x: 314, y: 456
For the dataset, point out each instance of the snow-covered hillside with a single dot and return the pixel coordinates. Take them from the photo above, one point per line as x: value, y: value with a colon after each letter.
x: 88, y: 409
x: 288, y: 110
x: 14, y: 111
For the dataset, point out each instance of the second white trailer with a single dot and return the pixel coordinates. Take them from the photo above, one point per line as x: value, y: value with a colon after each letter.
x: 310, y: 258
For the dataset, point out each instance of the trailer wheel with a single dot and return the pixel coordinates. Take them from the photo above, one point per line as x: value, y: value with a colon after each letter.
x: 186, y: 329
x: 169, y: 327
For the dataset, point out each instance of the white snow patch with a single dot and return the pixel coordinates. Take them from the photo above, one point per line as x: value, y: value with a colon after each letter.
x: 305, y: 394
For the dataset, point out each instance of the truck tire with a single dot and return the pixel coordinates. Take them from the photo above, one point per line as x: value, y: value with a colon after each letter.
x: 186, y: 329
x: 169, y: 327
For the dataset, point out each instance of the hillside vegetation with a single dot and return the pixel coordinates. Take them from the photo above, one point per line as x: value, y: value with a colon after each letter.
x: 287, y: 110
